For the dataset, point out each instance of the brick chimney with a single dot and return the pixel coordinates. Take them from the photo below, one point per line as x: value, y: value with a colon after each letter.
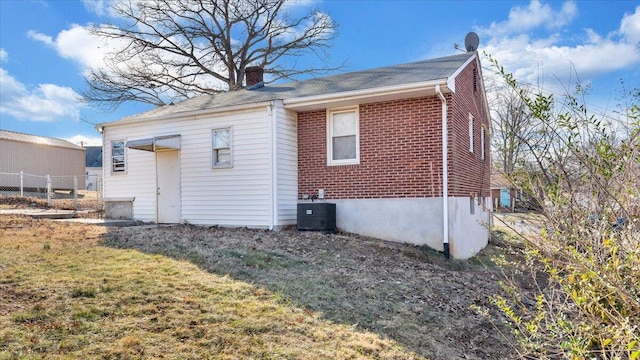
x: 254, y: 77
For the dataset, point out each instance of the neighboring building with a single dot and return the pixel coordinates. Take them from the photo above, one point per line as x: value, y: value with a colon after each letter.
x: 503, y: 193
x: 93, y: 167
x: 38, y: 155
x: 369, y: 141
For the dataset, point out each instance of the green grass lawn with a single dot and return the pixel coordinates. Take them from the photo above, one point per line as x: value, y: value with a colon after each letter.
x: 63, y: 296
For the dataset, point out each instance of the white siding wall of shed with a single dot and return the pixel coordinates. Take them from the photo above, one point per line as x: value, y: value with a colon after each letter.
x: 139, y: 180
x: 287, y: 150
x: 237, y: 196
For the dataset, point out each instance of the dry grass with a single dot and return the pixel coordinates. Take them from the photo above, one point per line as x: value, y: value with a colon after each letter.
x: 63, y: 295
x: 86, y: 200
x: 402, y: 292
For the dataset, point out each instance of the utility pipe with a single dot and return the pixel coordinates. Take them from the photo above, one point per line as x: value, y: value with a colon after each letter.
x: 272, y: 110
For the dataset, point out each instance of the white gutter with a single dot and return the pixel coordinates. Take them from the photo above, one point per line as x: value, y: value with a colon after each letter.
x: 271, y: 108
x: 445, y: 175
x: 103, y: 189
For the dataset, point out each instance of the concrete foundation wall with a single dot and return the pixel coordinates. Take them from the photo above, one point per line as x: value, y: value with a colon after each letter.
x: 118, y: 208
x: 407, y: 220
x: 417, y: 221
x: 468, y: 233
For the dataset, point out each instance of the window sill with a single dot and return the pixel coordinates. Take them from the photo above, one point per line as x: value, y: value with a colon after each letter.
x: 344, y: 163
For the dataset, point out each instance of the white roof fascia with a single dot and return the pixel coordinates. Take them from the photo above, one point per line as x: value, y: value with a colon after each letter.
x: 451, y: 80
x: 389, y: 91
x: 185, y: 114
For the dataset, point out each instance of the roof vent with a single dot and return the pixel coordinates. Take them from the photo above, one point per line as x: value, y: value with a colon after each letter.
x: 254, y: 77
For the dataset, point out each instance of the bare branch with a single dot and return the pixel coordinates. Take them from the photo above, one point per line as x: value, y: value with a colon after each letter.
x: 167, y: 50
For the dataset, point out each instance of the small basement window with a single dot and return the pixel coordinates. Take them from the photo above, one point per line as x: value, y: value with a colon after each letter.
x: 117, y: 156
x: 222, y: 150
x: 343, y: 140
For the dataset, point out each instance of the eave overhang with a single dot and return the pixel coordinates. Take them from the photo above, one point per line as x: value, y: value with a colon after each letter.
x: 379, y: 94
x: 184, y: 114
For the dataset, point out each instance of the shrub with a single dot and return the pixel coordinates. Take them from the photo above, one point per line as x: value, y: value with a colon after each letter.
x: 584, y: 172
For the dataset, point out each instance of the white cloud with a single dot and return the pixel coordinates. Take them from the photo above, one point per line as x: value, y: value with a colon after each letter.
x: 4, y: 56
x: 85, y: 141
x: 46, y: 39
x: 47, y: 102
x: 523, y: 19
x: 99, y: 7
x: 299, y: 4
x: 76, y: 43
x: 630, y: 27
x: 551, y: 59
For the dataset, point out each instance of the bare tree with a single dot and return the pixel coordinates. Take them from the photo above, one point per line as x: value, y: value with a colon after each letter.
x: 168, y: 50
x: 513, y: 129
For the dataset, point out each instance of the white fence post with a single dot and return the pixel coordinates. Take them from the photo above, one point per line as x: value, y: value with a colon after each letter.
x: 48, y: 190
x: 75, y: 193
x: 21, y: 183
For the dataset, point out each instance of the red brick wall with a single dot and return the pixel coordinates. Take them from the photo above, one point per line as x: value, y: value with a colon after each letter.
x: 400, y: 152
x: 468, y: 173
x: 400, y: 149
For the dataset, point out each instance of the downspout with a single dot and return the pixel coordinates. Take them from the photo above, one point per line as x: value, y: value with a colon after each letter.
x: 271, y: 108
x: 445, y: 175
x: 100, y: 182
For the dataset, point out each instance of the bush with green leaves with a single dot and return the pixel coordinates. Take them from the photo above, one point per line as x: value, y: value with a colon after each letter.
x: 584, y: 171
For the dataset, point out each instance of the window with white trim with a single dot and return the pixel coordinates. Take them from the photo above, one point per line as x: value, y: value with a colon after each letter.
x: 222, y: 150
x: 117, y: 156
x: 470, y: 133
x: 343, y: 138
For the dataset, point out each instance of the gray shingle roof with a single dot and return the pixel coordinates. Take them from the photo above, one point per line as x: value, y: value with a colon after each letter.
x: 416, y: 72
x: 34, y: 139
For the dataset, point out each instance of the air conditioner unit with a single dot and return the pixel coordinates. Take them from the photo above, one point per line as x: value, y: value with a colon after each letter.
x: 319, y: 216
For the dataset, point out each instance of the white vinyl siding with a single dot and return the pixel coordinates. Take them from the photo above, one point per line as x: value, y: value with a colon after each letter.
x: 287, y: 167
x: 343, y: 143
x: 140, y: 181
x: 238, y: 196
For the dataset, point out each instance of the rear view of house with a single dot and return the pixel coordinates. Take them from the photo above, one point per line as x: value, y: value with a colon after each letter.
x: 402, y: 150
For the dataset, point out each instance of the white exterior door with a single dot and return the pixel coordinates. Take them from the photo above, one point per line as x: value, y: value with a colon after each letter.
x: 168, y: 189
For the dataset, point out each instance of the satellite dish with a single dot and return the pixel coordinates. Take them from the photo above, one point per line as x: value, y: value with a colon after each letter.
x: 471, y: 42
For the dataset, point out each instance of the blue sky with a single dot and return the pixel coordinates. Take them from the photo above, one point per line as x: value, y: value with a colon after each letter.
x: 45, y: 49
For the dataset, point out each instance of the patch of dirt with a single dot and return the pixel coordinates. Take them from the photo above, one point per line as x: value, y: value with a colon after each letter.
x: 22, y: 202
x: 410, y: 294
x: 90, y: 203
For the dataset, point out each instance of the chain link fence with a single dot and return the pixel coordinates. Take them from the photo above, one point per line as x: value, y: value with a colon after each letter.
x: 60, y: 192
